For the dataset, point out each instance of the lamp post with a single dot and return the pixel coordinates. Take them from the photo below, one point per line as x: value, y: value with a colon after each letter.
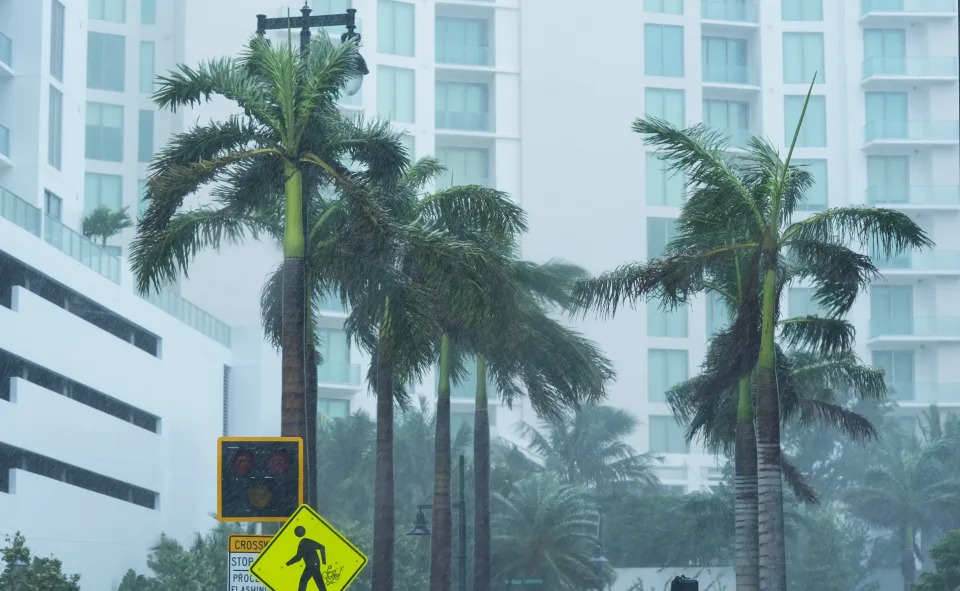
x: 306, y: 22
x: 420, y: 528
x: 17, y: 568
x: 598, y: 560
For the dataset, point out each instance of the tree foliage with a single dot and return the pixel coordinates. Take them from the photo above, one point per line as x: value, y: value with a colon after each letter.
x: 104, y: 223
x: 39, y: 574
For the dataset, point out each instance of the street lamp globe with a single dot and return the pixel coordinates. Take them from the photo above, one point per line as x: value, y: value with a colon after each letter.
x: 354, y: 81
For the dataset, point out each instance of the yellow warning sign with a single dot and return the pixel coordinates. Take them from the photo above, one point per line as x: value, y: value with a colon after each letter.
x: 308, y: 553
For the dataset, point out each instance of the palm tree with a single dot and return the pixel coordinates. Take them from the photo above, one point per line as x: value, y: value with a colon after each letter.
x: 741, y: 208
x: 545, y: 530
x: 103, y: 223
x: 290, y: 136
x: 587, y: 448
x: 908, y: 489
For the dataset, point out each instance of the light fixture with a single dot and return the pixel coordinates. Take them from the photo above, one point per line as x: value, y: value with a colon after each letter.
x: 354, y: 81
x: 419, y: 525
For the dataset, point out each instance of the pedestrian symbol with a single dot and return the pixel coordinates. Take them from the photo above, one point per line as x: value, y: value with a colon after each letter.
x: 308, y: 554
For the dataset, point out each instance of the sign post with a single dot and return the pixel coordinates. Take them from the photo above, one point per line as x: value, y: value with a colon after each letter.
x: 242, y: 551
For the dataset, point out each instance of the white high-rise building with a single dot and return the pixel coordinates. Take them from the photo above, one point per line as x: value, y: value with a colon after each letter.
x: 881, y: 129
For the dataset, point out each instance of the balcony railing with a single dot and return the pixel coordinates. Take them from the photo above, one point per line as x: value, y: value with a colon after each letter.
x: 19, y: 212
x: 936, y: 131
x: 918, y: 67
x: 728, y: 74
x: 914, y: 194
x: 924, y: 391
x: 916, y: 6
x: 81, y: 249
x: 191, y: 315
x: 464, y: 56
x: 4, y: 141
x: 347, y: 374
x: 729, y: 10
x: 916, y: 326
x: 464, y: 121
x: 6, y: 50
x: 935, y: 260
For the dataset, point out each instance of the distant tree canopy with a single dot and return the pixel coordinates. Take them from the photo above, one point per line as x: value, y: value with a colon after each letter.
x: 40, y: 574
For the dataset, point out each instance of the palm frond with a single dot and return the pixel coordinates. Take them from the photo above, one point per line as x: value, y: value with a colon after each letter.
x: 851, y: 424
x: 477, y: 209
x: 825, y: 336
x: 885, y: 231
x: 838, y: 273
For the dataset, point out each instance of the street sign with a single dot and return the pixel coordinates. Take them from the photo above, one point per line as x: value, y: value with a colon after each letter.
x: 242, y: 551
x: 307, y: 550
x: 259, y: 478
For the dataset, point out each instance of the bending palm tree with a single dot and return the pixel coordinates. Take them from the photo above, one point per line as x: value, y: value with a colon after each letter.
x: 744, y: 207
x: 290, y: 130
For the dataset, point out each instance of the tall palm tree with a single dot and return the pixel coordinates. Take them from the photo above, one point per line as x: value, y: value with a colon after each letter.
x: 289, y: 135
x: 907, y: 490
x: 586, y: 448
x: 546, y: 530
x: 744, y: 206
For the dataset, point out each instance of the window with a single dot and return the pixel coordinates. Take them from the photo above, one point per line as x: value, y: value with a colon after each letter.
x: 410, y: 145
x: 663, y: 323
x: 816, y: 195
x: 660, y: 231
x: 395, y: 31
x: 732, y: 117
x: 142, y: 202
x: 57, y: 32
x: 145, y: 144
x: 664, y: 6
x: 335, y: 350
x: 462, y: 105
x: 108, y: 10
x: 395, y: 94
x: 666, y: 104
x: 467, y: 388
x: 888, y: 179
x: 104, y: 132
x: 663, y: 50
x: 665, y: 369
x: 800, y: 303
x: 55, y: 129
x: 148, y: 12
x: 802, y: 58
x: 52, y: 205
x: 146, y: 66
x: 884, y: 51
x: 887, y: 114
x: 102, y: 189
x: 891, y: 309
x: 463, y: 41
x: 725, y: 60
x: 329, y: 6
x: 718, y: 313
x: 667, y: 436
x: 802, y: 10
x: 813, y: 133
x: 105, y: 61
x: 333, y: 408
x: 465, y: 166
x: 664, y: 186
x: 898, y: 372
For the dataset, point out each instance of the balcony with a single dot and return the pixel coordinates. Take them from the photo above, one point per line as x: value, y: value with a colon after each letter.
x: 331, y: 304
x: 909, y: 69
x: 741, y: 12
x: 19, y: 212
x: 460, y: 55
x: 80, y: 249
x: 4, y: 146
x: 191, y: 315
x: 338, y: 374
x: 924, y: 392
x: 911, y: 134
x: 915, y: 196
x: 463, y: 121
x: 915, y: 329
x: 6, y: 55
x: 935, y: 262
x: 875, y: 13
x: 722, y: 74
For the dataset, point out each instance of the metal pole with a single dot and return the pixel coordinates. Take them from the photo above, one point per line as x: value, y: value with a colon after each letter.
x: 463, y: 530
x: 305, y: 32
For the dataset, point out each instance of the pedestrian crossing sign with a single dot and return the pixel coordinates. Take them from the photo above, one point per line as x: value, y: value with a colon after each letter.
x: 308, y: 554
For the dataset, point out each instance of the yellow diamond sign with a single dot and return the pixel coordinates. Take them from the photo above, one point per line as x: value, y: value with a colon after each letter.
x: 306, y: 554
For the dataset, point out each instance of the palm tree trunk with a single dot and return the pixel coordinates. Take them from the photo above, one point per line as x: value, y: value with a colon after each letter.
x: 383, y: 500
x: 747, y: 546
x: 908, y: 561
x: 312, y: 418
x: 481, y: 493
x: 441, y: 538
x: 773, y: 571
x: 293, y: 322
